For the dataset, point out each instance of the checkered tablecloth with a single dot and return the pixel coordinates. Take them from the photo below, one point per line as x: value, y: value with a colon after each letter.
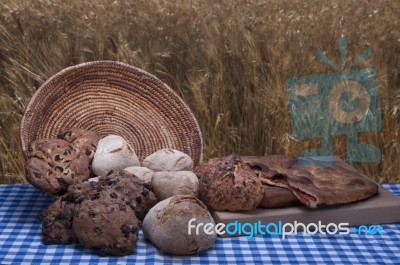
x: 21, y: 242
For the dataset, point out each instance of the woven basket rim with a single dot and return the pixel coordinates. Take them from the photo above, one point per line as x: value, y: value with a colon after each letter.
x: 26, y: 119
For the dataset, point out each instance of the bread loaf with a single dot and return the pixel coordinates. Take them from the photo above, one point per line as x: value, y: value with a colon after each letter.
x: 168, y: 160
x: 166, y: 226
x: 167, y: 184
x: 232, y: 186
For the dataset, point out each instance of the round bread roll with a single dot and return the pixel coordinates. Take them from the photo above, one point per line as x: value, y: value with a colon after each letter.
x: 209, y: 165
x: 168, y: 160
x: 142, y: 173
x: 132, y: 191
x: 137, y: 194
x: 54, y: 165
x: 113, y: 153
x: 107, y: 224
x: 232, y: 186
x: 168, y: 184
x: 166, y: 225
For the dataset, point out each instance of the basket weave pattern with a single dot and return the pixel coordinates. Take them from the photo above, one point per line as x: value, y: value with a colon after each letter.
x: 113, y: 98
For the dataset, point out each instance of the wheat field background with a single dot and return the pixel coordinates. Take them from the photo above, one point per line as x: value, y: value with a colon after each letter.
x: 229, y: 60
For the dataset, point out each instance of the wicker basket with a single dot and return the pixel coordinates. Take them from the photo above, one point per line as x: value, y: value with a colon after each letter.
x: 113, y: 98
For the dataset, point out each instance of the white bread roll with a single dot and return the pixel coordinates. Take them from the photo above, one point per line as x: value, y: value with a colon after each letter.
x: 166, y: 225
x: 168, y: 160
x: 168, y: 184
x: 113, y: 153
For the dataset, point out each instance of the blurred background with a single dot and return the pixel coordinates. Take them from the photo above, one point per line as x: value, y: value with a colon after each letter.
x: 229, y: 60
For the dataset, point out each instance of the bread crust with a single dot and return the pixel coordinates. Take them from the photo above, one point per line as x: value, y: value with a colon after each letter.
x: 315, y: 185
x: 231, y: 185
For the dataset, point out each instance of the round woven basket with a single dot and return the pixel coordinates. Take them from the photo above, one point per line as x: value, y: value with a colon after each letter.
x: 113, y: 98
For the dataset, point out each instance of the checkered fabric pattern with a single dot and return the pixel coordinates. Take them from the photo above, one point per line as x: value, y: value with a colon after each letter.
x: 21, y: 242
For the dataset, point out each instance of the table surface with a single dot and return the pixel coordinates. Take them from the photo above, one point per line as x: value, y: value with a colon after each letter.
x: 21, y: 242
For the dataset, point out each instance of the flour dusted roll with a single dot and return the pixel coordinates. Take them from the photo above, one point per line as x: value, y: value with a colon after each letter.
x: 113, y: 153
x: 168, y: 160
x: 166, y: 225
x: 167, y: 184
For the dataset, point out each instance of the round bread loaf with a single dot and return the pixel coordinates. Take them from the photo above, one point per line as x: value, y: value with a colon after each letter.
x: 168, y: 160
x: 231, y: 186
x: 57, y: 218
x: 136, y: 193
x: 100, y: 214
x: 209, y: 165
x: 128, y: 188
x: 54, y: 165
x: 86, y: 190
x: 167, y: 184
x: 166, y: 225
x: 107, y: 224
x: 113, y: 153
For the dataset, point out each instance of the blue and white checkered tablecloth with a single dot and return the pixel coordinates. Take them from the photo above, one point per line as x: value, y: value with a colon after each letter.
x: 21, y: 242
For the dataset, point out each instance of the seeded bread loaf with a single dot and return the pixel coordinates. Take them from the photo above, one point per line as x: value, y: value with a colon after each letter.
x: 57, y: 223
x: 231, y: 185
x: 82, y: 140
x: 107, y: 224
x: 54, y: 165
